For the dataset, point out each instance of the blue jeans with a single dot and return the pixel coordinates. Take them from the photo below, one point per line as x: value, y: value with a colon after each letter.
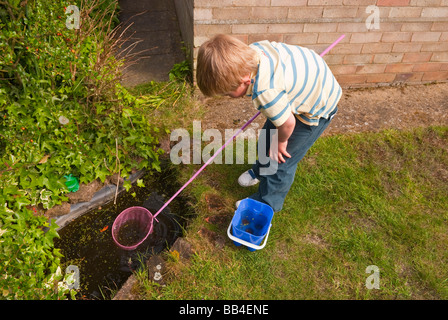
x: 273, y: 188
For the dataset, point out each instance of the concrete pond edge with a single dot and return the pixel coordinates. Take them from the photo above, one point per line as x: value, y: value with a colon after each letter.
x: 100, y: 198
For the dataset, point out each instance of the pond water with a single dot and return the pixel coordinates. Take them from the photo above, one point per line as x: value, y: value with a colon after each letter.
x: 87, y: 241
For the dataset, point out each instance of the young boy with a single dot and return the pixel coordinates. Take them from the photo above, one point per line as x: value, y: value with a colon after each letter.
x: 292, y: 86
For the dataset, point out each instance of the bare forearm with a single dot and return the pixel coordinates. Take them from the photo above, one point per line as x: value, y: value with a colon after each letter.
x: 286, y: 129
x: 283, y: 134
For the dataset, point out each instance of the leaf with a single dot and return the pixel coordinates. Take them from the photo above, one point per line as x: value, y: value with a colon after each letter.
x: 45, y: 195
x: 101, y: 174
x: 140, y: 183
x: 22, y: 201
x: 127, y: 185
x: 127, y: 113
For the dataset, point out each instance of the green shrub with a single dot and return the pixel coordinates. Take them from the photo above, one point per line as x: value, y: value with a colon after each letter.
x: 30, y: 265
x: 62, y: 111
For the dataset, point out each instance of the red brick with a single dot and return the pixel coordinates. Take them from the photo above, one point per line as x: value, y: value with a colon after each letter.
x: 269, y: 13
x: 417, y: 77
x: 305, y: 12
x: 435, y: 46
x: 330, y: 37
x: 396, y: 37
x: 347, y: 79
x: 332, y: 59
x: 439, y: 26
x: 424, y: 67
x: 212, y: 3
x: 249, y: 28
x: 377, y: 48
x: 351, y: 27
x: 440, y: 57
x: 211, y: 29
x: 425, y: 3
x: 301, y: 38
x: 346, y: 48
x: 357, y: 2
x: 380, y: 77
x: 385, y: 12
x: 317, y: 47
x: 320, y: 27
x: 390, y: 26
x: 387, y: 57
x: 358, y: 59
x: 408, y: 77
x: 416, y: 26
x: 405, y: 12
x: 260, y: 37
x: 203, y: 14
x: 399, y: 68
x: 444, y: 36
x: 391, y: 3
x: 324, y: 2
x: 371, y: 68
x: 437, y: 75
x: 285, y: 27
x: 365, y: 37
x: 425, y: 36
x: 406, y: 47
x: 287, y: 3
x: 435, y: 12
x: 249, y: 3
x: 340, y: 12
x: 343, y: 69
x: 198, y: 40
x: 444, y: 67
x: 231, y: 13
x: 417, y: 56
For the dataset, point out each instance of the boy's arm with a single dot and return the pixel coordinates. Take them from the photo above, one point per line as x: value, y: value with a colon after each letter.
x: 273, y: 104
x: 284, y: 132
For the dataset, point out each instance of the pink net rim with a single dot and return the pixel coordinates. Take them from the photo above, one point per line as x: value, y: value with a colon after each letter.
x: 142, y: 215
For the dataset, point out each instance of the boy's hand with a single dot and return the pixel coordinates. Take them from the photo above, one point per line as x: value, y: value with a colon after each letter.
x: 282, y: 151
x: 282, y: 136
x: 279, y: 153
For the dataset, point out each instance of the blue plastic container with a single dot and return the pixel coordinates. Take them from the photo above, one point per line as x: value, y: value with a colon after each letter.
x: 250, y: 224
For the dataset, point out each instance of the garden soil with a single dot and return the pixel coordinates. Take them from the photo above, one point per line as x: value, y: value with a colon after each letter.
x: 359, y: 110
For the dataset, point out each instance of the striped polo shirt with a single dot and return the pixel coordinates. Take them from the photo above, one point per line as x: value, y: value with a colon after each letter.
x: 294, y: 79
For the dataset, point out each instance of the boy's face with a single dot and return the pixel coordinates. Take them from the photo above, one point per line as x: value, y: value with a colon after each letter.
x: 242, y: 89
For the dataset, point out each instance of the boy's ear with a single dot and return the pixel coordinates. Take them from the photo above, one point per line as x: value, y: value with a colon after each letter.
x: 246, y: 79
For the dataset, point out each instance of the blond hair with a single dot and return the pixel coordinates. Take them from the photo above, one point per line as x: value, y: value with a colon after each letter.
x: 222, y: 63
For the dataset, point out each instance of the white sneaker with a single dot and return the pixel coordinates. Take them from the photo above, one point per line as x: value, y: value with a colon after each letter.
x: 237, y: 204
x: 247, y: 179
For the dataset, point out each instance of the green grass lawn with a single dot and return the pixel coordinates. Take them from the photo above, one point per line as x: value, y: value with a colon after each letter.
x: 357, y: 200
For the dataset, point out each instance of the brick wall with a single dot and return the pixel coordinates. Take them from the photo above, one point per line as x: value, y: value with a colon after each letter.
x: 410, y: 46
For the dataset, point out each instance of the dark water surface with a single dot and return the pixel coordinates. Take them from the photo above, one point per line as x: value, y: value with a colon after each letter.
x: 87, y: 241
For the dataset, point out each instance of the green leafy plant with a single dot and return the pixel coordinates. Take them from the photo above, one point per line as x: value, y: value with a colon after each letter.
x: 62, y: 111
x: 180, y: 71
x: 30, y: 264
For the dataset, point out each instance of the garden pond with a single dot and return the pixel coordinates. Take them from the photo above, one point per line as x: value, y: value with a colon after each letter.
x: 87, y: 241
